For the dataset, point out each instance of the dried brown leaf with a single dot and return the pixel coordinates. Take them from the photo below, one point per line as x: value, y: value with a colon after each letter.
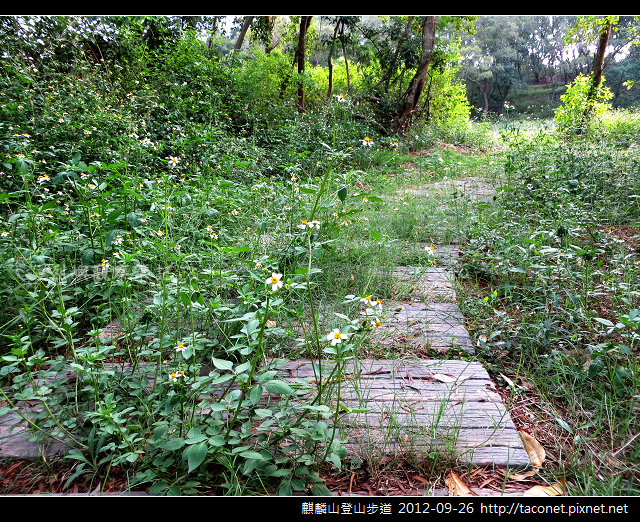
x: 508, y: 381
x: 534, y: 449
x: 519, y: 477
x: 442, y: 377
x: 545, y: 491
x: 457, y: 487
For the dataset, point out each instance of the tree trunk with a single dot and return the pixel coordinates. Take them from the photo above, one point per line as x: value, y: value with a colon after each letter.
x: 412, y: 96
x: 305, y: 22
x: 271, y: 46
x: 329, y: 62
x: 214, y: 27
x: 598, y: 65
x: 243, y: 32
x: 346, y: 61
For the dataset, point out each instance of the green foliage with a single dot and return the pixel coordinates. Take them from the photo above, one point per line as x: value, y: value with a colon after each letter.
x: 551, y: 277
x: 576, y: 101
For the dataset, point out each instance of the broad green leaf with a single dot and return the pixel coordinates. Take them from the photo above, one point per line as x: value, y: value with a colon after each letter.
x: 221, y: 364
x: 174, y: 444
x: 251, y: 455
x: 194, y: 437
x: 320, y: 490
x: 279, y: 387
x: 195, y: 455
x: 87, y: 257
x: 217, y: 441
x: 255, y: 394
x: 342, y: 193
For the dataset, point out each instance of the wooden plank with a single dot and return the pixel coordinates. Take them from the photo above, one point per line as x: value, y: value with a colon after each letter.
x: 410, y: 407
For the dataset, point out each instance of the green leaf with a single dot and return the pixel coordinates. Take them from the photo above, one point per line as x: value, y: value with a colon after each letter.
x: 221, y: 364
x: 279, y: 387
x: 186, y: 300
x: 195, y: 438
x: 604, y: 321
x: 280, y: 473
x: 342, y: 193
x: 255, y: 394
x: 217, y: 441
x: 158, y: 487
x: 87, y: 257
x: 564, y: 425
x: 195, y: 455
x: 174, y: 444
x: 321, y: 490
x: 251, y: 455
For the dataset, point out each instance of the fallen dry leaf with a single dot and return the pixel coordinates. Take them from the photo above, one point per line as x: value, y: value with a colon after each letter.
x: 457, y: 487
x: 545, y: 491
x: 534, y: 449
x: 483, y: 338
x: 508, y: 381
x: 519, y: 477
x: 443, y: 377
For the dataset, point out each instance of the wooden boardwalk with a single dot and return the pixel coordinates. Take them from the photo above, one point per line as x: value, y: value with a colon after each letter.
x: 421, y: 406
x: 413, y: 405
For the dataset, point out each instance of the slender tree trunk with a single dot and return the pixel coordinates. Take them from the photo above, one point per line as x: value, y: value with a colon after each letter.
x: 346, y: 61
x: 214, y: 28
x: 305, y: 22
x: 412, y: 96
x: 329, y: 62
x: 598, y: 66
x: 271, y: 45
x: 243, y: 32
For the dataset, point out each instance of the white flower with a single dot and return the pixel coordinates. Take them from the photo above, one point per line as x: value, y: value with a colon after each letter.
x: 174, y: 376
x: 341, y: 98
x: 105, y: 265
x: 369, y: 302
x: 180, y: 348
x: 173, y: 161
x: 309, y: 224
x: 4, y: 234
x: 336, y: 337
x: 430, y: 250
x: 117, y: 240
x: 367, y: 142
x: 275, y: 281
